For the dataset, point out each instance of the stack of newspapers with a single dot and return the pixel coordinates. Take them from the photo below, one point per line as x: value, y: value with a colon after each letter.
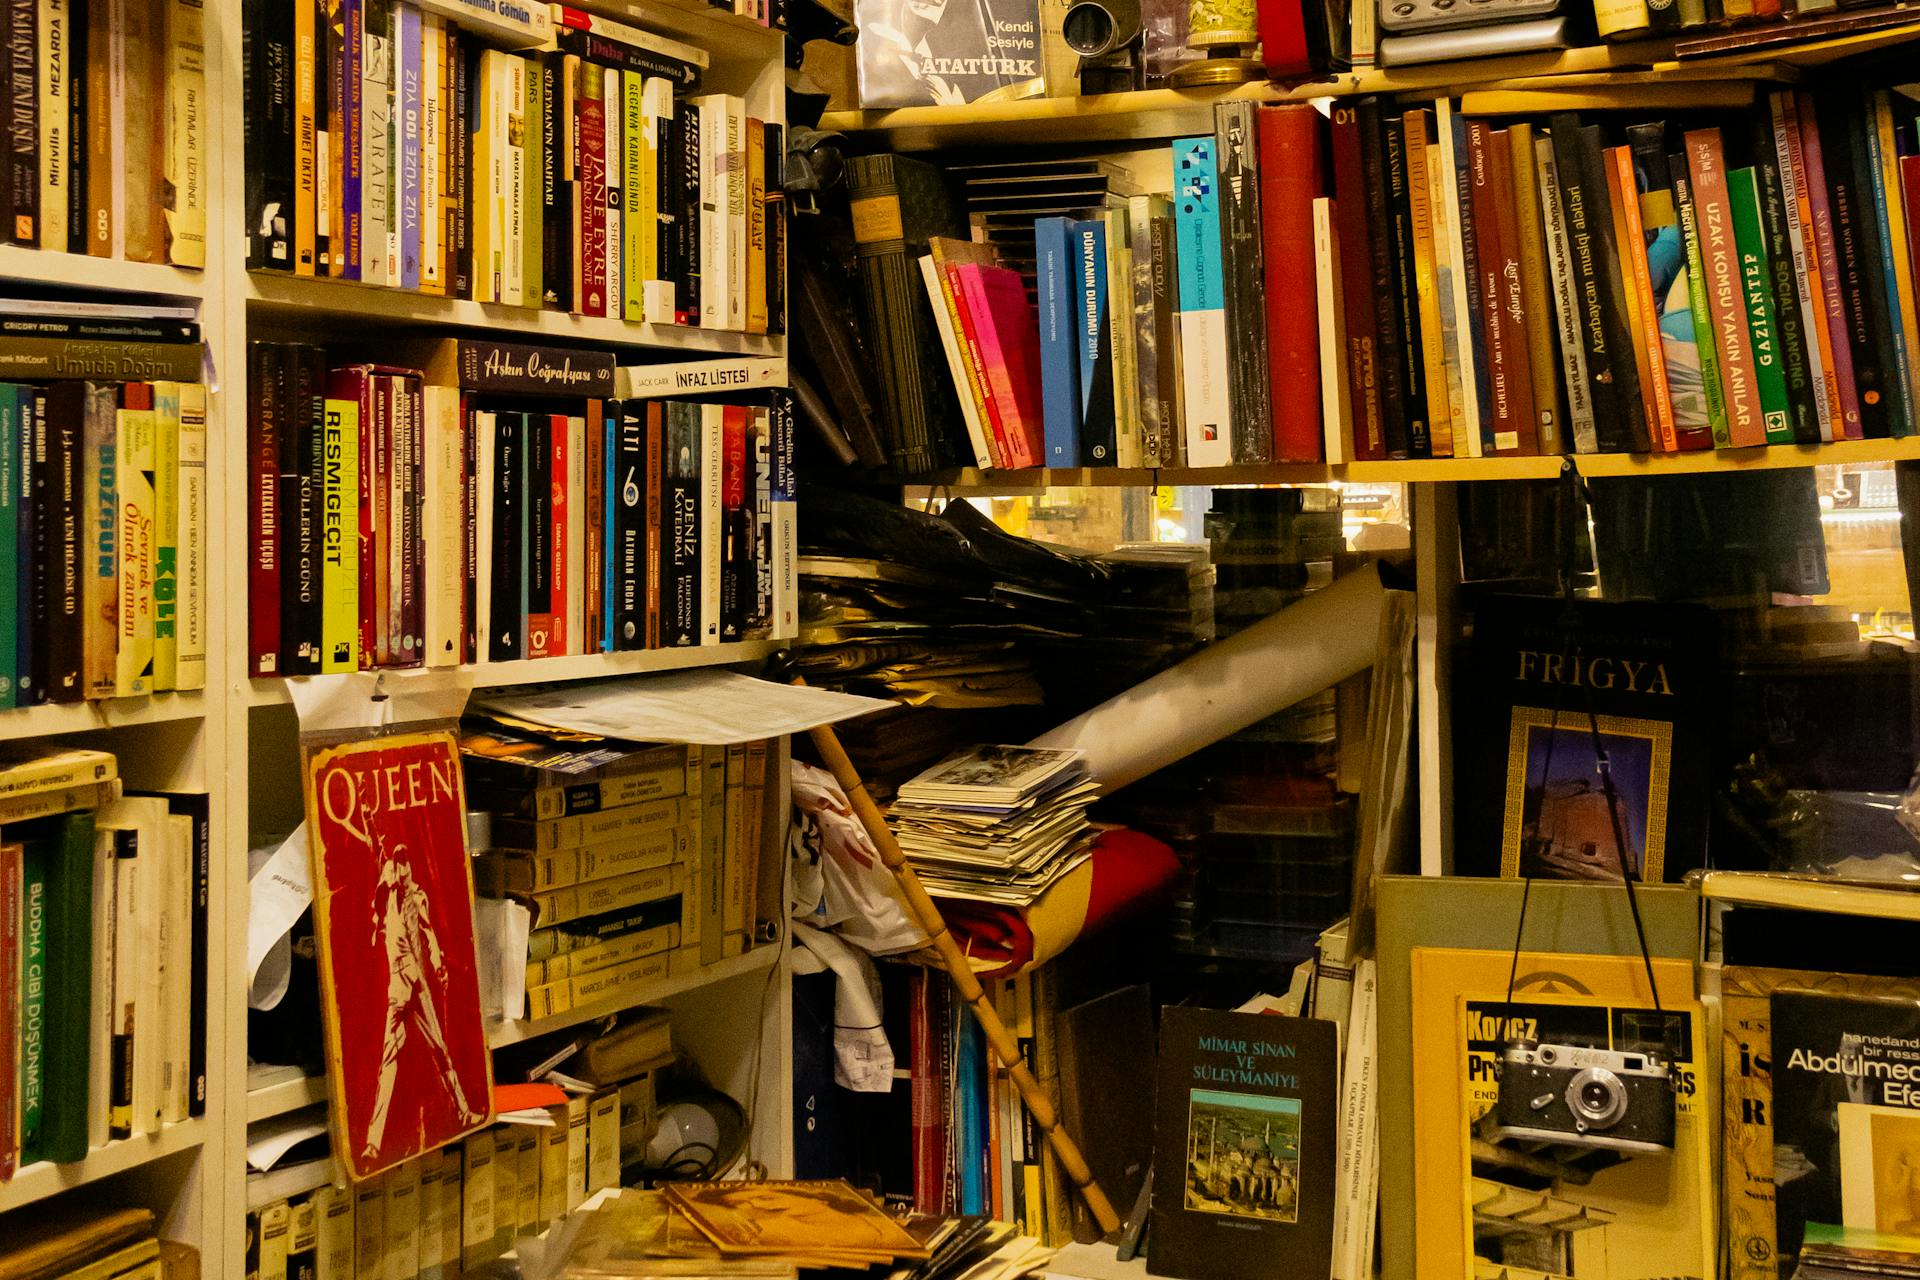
x: 996, y: 824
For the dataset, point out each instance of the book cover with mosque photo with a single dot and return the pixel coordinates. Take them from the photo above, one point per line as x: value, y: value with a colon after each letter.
x: 408, y: 1069
x: 1563, y: 706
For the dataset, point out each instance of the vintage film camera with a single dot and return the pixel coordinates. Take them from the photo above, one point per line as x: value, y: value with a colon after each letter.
x: 1585, y: 1097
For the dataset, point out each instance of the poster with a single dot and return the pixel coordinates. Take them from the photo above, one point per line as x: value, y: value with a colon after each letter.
x: 407, y: 1061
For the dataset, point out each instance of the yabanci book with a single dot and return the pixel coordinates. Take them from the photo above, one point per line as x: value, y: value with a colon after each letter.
x: 1243, y: 1146
x: 921, y: 53
x: 1561, y: 710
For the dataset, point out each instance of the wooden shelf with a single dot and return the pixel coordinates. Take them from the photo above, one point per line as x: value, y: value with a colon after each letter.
x: 108, y: 713
x: 1427, y: 470
x: 758, y: 960
x: 300, y: 301
x: 38, y: 1181
x: 80, y: 271
x: 291, y: 1095
x: 721, y: 32
x: 271, y: 691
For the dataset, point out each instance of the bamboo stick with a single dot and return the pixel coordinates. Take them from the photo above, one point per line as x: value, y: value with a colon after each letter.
x: 1005, y: 1049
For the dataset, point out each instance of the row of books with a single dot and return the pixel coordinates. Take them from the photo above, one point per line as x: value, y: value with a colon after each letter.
x: 389, y: 144
x: 103, y: 500
x: 579, y: 521
x: 105, y: 124
x: 647, y: 863
x: 91, y: 1242
x: 103, y: 957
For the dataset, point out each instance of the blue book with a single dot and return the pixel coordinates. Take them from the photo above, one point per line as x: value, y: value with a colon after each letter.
x: 1202, y: 319
x: 407, y: 63
x: 971, y: 1147
x: 9, y: 536
x: 1059, y: 261
x: 1093, y: 342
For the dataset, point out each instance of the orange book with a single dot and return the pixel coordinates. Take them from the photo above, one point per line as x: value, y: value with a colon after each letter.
x: 1630, y: 235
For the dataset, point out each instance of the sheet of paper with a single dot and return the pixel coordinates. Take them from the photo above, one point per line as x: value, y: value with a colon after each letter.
x: 271, y: 1139
x: 376, y: 699
x: 278, y: 891
x: 705, y: 708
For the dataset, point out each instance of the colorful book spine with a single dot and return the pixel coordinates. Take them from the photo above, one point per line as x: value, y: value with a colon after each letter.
x: 406, y: 120
x: 1290, y: 172
x: 1093, y: 344
x: 340, y: 538
x: 1756, y: 288
x: 1821, y: 217
x: 1623, y: 193
x: 1202, y: 319
x: 1058, y: 269
x: 1804, y: 265
x: 1700, y: 310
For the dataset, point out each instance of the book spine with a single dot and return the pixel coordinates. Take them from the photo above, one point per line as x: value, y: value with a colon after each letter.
x: 506, y: 550
x: 712, y: 471
x: 65, y: 640
x: 1477, y: 384
x: 1390, y: 367
x: 1889, y: 217
x: 305, y: 157
x: 459, y: 195
x: 408, y: 171
x: 349, y: 255
x: 302, y: 383
x: 1724, y: 293
x: 1416, y: 129
x: 1240, y: 254
x: 1542, y: 361
x: 1840, y: 318
x: 166, y: 542
x: 1448, y: 420
x: 1743, y: 195
x: 53, y: 104
x: 1643, y: 322
x: 592, y: 196
x: 1058, y: 262
x: 1804, y: 266
x: 1119, y: 315
x: 266, y: 391
x: 1093, y: 345
x: 1399, y: 237
x: 658, y: 526
x: 340, y: 531
x: 126, y: 982
x: 1490, y: 257
x: 192, y: 568
x: 432, y: 218
x: 1201, y: 326
x: 1165, y: 282
x: 681, y: 524
x: 442, y: 527
x: 11, y: 613
x: 1707, y: 349
x: 1773, y: 181
x: 1579, y: 216
x: 376, y: 119
x: 97, y: 223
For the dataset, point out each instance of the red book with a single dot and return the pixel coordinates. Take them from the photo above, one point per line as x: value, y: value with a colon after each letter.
x: 929, y: 1093
x: 1801, y: 113
x: 990, y: 403
x: 1504, y: 374
x: 1283, y: 39
x: 1910, y: 184
x: 590, y: 199
x: 267, y: 393
x: 1511, y: 299
x: 1291, y: 178
x: 1356, y: 276
x: 1726, y: 298
x: 1007, y: 335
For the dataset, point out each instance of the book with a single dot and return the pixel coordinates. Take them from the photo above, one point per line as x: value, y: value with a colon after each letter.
x: 922, y: 58
x: 1236, y: 151
x: 1725, y: 294
x: 1201, y: 321
x: 1244, y: 1125
x: 1058, y: 274
x: 1290, y: 173
x: 1756, y: 288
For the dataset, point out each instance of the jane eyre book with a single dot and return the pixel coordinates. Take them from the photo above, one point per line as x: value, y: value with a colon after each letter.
x: 1243, y: 1146
x: 1564, y: 704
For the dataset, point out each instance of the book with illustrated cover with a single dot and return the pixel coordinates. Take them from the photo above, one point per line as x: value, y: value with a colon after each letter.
x: 1624, y: 685
x: 945, y: 53
x: 1244, y: 1146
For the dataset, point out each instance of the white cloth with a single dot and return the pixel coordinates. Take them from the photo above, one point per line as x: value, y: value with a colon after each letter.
x: 862, y: 1057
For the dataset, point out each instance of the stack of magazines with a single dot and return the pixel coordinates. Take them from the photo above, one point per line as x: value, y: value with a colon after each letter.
x: 996, y: 824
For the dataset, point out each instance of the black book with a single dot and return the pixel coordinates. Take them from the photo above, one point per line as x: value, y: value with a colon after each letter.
x: 628, y: 495
x: 1390, y: 358
x: 1406, y: 296
x: 65, y: 638
x: 776, y: 228
x: 680, y: 527
x: 267, y: 35
x: 1531, y: 799
x: 1240, y: 256
x: 1243, y: 1151
x: 460, y: 167
x: 1589, y: 224
x: 686, y: 123
x: 1843, y: 124
x: 301, y: 482
x: 1093, y: 331
x: 556, y: 208
x: 592, y: 47
x: 31, y: 689
x: 470, y: 539
x: 539, y: 526
x: 509, y: 548
x: 1612, y: 272
x: 1788, y: 323
x: 22, y: 194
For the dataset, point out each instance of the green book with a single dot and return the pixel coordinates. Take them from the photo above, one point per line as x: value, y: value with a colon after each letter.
x: 69, y: 842
x: 9, y: 540
x: 1697, y: 302
x: 1756, y: 286
x: 32, y: 1040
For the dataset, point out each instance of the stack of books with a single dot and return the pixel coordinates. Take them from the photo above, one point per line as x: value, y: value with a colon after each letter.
x: 103, y: 956
x: 106, y: 131
x: 103, y: 501
x: 110, y: 1244
x: 995, y: 823
x: 468, y: 500
x: 535, y: 156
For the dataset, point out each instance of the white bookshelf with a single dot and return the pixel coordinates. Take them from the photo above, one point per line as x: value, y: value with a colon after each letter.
x: 231, y: 739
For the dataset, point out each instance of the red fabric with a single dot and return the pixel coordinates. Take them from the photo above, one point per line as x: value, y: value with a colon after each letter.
x: 1130, y: 875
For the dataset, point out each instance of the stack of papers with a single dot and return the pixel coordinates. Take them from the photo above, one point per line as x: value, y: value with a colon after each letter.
x: 996, y: 824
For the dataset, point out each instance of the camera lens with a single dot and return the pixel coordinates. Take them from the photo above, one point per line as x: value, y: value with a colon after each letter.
x: 1597, y: 1098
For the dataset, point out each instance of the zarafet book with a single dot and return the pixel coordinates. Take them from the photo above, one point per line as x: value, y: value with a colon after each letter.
x: 1846, y: 1118
x: 1244, y: 1146
x: 1625, y: 685
x: 945, y: 53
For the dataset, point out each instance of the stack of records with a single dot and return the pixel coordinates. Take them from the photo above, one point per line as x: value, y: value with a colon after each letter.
x: 996, y: 824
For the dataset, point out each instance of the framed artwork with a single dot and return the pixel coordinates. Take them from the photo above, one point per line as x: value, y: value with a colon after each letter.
x: 408, y: 1068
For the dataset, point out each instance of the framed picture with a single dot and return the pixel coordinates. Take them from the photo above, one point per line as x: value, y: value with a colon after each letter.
x: 1557, y: 822
x: 408, y: 1068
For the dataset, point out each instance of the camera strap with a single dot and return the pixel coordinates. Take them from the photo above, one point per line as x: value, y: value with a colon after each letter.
x: 1573, y: 504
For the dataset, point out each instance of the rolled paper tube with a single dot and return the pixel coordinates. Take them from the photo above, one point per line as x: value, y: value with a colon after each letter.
x: 1306, y: 647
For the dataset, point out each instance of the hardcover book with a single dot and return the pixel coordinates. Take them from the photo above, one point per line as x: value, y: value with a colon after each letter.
x: 1202, y: 316
x: 1244, y: 1146
x: 1615, y: 700
x: 945, y: 53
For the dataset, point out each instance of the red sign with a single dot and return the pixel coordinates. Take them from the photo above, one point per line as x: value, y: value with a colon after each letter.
x: 407, y: 1060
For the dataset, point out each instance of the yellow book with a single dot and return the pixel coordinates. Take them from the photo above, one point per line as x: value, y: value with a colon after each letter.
x: 1534, y: 277
x: 476, y: 1201
x: 340, y: 538
x: 1426, y: 286
x: 186, y: 132
x: 636, y: 220
x: 275, y: 1220
x: 1461, y: 1025
x: 553, y: 998
x: 133, y: 468
x: 118, y: 1263
x: 166, y: 536
x: 756, y: 226
x: 488, y: 181
x: 1896, y: 212
x: 553, y: 1167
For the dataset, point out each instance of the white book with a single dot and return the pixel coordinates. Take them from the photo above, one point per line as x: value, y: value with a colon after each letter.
x: 712, y: 490
x: 323, y: 143
x: 400, y: 1259
x: 431, y: 1215
x: 511, y: 26
x: 376, y: 155
x: 603, y: 1141
x: 128, y: 960
x: 553, y: 1168
x: 116, y: 108
x: 577, y: 464
x: 333, y: 1256
x: 433, y: 123
x: 100, y: 1027
x: 490, y: 193
x: 1566, y: 309
x: 176, y: 996
x: 699, y: 377
x: 403, y: 134
x: 56, y: 49
x: 484, y: 487
x: 736, y: 173
x: 1466, y: 423
x: 191, y: 577
x: 513, y: 290
x: 441, y: 526
x: 1336, y: 397
x: 370, y: 1229
x: 1357, y: 1165
x: 956, y: 363
x: 527, y: 1190
x: 614, y: 118
x: 139, y: 889
x: 713, y: 253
